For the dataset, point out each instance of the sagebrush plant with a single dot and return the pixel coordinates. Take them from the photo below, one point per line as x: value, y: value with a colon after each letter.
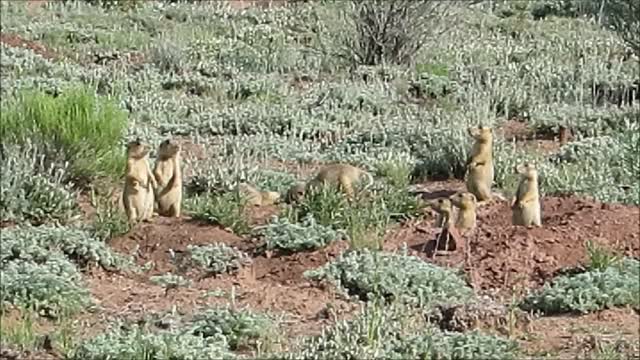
x: 242, y: 328
x: 593, y: 290
x: 79, y: 245
x: 226, y: 209
x: 284, y: 235
x: 392, y: 276
x: 76, y: 126
x: 218, y: 258
x: 109, y: 221
x: 395, y: 332
x: 134, y: 342
x: 45, y: 281
x: 169, y: 281
x: 32, y: 190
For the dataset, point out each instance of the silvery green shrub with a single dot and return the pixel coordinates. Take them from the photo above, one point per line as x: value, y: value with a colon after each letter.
x: 590, y: 291
x: 284, y: 235
x: 392, y: 276
x: 44, y: 281
x: 31, y: 190
x: 240, y: 327
x: 218, y: 258
x: 79, y: 245
x: 137, y: 343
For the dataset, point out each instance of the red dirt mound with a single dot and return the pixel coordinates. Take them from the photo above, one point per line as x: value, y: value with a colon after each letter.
x: 288, y: 269
x: 153, y: 241
x: 504, y: 256
x: 17, y: 41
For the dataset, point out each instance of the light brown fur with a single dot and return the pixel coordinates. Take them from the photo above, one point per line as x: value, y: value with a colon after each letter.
x: 255, y: 197
x: 444, y: 210
x: 466, y: 203
x: 526, y: 204
x: 480, y: 170
x: 168, y: 175
x: 344, y: 176
x: 138, y: 196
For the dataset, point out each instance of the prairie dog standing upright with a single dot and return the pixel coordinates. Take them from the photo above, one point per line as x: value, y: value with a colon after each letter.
x: 526, y: 204
x: 480, y: 171
x: 345, y: 176
x: 445, y: 211
x: 466, y: 203
x: 258, y: 198
x: 139, y: 184
x: 168, y: 175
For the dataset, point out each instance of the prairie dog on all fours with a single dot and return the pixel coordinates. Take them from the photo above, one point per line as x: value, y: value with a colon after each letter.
x: 344, y: 176
x: 139, y: 183
x: 168, y: 175
x: 255, y: 197
x: 526, y: 204
x: 466, y: 203
x: 480, y: 170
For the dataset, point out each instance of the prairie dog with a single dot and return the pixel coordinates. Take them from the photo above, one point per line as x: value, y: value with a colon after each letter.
x: 139, y: 184
x: 258, y: 198
x: 480, y: 171
x: 526, y: 204
x: 342, y: 175
x: 445, y: 211
x: 466, y: 203
x: 168, y: 175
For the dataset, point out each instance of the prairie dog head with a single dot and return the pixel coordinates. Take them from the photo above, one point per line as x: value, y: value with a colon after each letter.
x: 482, y: 134
x: 527, y: 171
x: 442, y: 205
x: 463, y: 200
x: 295, y: 193
x: 270, y: 197
x: 137, y: 150
x: 168, y: 148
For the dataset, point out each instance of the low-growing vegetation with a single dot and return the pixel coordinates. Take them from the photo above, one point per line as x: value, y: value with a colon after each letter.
x: 266, y: 93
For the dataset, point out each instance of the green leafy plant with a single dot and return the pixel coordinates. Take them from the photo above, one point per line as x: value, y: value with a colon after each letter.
x: 226, y: 209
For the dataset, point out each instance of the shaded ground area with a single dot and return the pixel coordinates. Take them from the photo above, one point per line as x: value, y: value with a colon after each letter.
x: 17, y: 41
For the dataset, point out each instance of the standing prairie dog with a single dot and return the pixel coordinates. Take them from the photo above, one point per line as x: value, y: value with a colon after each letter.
x: 168, y: 175
x: 480, y: 169
x: 343, y: 175
x: 139, y: 184
x: 445, y: 211
x: 526, y: 204
x: 258, y: 198
x: 466, y: 203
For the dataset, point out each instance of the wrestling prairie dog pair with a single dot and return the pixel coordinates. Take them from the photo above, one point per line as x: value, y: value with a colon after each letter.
x: 344, y: 176
x: 143, y: 188
x: 466, y: 204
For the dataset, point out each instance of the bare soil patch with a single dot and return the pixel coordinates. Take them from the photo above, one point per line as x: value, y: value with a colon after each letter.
x: 565, y: 337
x: 14, y: 40
x: 544, y: 143
x: 503, y: 256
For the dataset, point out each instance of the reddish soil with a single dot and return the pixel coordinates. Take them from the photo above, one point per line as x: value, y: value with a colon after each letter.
x: 565, y: 337
x: 527, y: 138
x: 503, y: 256
x: 17, y: 41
